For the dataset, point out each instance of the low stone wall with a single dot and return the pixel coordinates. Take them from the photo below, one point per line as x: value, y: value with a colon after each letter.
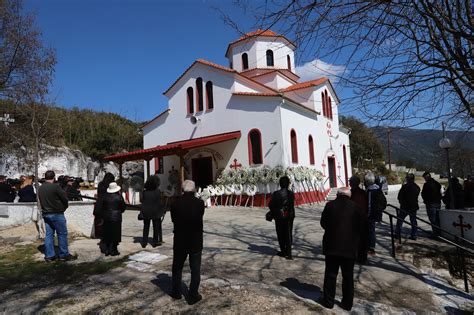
x: 449, y: 220
x: 79, y: 215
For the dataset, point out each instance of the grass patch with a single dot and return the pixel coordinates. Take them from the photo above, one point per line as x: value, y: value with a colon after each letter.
x: 18, y: 267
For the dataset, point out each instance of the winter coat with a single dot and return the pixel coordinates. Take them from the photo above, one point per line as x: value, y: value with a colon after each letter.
x: 458, y: 196
x: 111, y: 206
x: 27, y: 194
x: 151, y: 205
x: 187, y: 215
x: 52, y: 198
x: 282, y: 200
x: 7, y: 194
x: 408, y: 197
x: 469, y: 194
x: 376, y: 203
x: 342, y: 222
x: 431, y: 192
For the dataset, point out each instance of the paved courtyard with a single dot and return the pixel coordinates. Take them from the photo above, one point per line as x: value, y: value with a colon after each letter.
x: 240, y: 274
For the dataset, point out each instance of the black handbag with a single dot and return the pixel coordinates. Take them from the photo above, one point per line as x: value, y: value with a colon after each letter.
x: 269, y: 216
x: 140, y: 216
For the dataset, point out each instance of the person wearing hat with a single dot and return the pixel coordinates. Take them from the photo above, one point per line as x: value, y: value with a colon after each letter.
x: 111, y: 207
x: 431, y: 194
x: 342, y: 222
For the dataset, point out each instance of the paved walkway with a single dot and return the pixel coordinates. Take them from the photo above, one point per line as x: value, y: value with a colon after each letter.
x: 242, y: 274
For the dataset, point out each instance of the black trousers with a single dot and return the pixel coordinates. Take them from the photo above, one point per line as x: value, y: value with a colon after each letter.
x: 284, y: 230
x: 330, y: 275
x: 179, y: 257
x: 157, y: 231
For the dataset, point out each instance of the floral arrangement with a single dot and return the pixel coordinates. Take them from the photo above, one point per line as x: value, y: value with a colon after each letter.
x: 277, y: 173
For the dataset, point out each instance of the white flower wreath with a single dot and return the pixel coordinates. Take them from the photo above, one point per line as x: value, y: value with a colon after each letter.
x: 251, y: 190
x: 253, y: 176
x: 277, y: 173
x: 265, y: 174
x: 231, y: 175
x: 205, y: 194
x: 229, y: 189
x: 242, y: 175
x: 219, y: 190
x: 299, y: 174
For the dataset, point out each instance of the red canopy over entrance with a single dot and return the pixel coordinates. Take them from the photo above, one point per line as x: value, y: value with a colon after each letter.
x: 179, y: 148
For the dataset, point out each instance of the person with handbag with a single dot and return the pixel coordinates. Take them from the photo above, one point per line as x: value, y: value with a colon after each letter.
x: 152, y: 211
x: 111, y: 207
x: 282, y: 209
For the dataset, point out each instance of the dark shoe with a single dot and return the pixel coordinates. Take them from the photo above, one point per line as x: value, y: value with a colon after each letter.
x: 156, y: 244
x: 193, y: 299
x: 346, y: 308
x: 280, y: 254
x: 325, y: 303
x: 68, y: 258
x: 412, y: 238
x: 289, y: 257
x: 143, y: 245
x: 50, y: 259
x: 176, y: 295
x: 115, y: 252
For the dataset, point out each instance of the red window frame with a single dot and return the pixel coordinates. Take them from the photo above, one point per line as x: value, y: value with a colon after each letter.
x: 294, y: 146
x: 311, y: 149
x: 190, y: 98
x: 209, y: 95
x: 250, y: 148
x: 288, y: 61
x: 199, y: 96
x: 245, y: 61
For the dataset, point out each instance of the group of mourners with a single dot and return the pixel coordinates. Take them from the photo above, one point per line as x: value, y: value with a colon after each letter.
x: 348, y: 221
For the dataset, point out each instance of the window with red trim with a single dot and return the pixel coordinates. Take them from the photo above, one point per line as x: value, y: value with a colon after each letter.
x: 209, y: 95
x: 255, y: 147
x: 270, y: 62
x: 190, y: 94
x: 311, y: 150
x: 323, y: 100
x: 288, y: 61
x: 199, y: 95
x: 329, y: 107
x: 245, y: 61
x: 294, y: 147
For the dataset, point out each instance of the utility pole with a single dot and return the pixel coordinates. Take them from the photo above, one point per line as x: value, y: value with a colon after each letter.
x: 389, y: 150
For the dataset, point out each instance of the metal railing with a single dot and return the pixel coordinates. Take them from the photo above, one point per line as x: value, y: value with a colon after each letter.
x: 458, y: 243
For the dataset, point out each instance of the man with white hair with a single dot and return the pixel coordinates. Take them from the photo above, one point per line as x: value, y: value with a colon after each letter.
x: 187, y: 216
x: 376, y: 204
x: 342, y: 223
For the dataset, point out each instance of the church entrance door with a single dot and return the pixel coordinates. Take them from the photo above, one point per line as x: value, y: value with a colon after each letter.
x: 332, y: 172
x: 202, y: 171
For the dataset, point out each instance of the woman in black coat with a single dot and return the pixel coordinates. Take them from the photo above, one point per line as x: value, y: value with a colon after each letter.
x: 152, y: 211
x: 111, y: 206
x: 27, y: 192
x: 101, y: 192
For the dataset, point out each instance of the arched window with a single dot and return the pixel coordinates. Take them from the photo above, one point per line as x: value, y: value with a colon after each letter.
x: 288, y: 61
x: 329, y: 107
x: 209, y: 95
x: 199, y: 96
x: 270, y: 58
x: 311, y: 150
x: 326, y: 102
x: 245, y: 61
x: 323, y: 100
x: 190, y: 93
x: 255, y: 147
x: 294, y: 147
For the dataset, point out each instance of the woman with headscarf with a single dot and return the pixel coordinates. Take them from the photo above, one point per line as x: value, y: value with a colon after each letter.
x: 111, y: 206
x: 27, y: 192
x: 101, y: 191
x: 152, y: 211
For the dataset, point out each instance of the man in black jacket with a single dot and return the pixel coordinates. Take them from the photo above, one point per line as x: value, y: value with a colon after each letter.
x: 187, y: 216
x: 431, y: 194
x: 376, y: 203
x: 53, y: 204
x: 7, y: 194
x: 342, y: 223
x: 408, y: 198
x: 282, y: 207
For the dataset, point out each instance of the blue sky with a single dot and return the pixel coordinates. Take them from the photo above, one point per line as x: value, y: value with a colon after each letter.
x: 120, y: 55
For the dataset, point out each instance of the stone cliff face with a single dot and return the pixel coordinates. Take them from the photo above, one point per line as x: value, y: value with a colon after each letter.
x: 63, y: 161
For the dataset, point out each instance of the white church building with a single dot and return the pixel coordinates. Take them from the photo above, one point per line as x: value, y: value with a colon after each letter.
x: 250, y: 113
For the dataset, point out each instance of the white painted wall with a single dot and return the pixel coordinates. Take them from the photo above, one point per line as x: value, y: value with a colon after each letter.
x: 274, y: 80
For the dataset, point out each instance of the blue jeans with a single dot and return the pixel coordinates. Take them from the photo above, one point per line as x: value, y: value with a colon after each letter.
x: 402, y: 215
x: 55, y: 222
x: 372, y: 238
x: 432, y: 212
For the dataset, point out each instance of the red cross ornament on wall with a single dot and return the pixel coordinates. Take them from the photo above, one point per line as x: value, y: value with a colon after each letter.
x: 235, y: 165
x: 462, y: 225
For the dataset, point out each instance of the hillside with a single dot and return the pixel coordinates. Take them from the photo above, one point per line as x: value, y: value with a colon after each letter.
x: 421, y: 148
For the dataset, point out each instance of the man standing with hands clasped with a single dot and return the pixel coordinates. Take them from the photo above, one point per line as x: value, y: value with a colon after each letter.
x: 342, y: 222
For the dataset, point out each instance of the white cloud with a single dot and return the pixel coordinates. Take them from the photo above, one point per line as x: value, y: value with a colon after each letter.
x: 317, y: 68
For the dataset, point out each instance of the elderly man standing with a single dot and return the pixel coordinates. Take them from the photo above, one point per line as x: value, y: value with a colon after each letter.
x: 376, y: 203
x: 408, y: 198
x: 187, y: 216
x: 431, y: 194
x: 53, y: 204
x: 342, y: 223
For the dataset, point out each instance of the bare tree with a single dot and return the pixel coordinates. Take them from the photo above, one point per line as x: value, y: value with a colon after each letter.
x: 408, y: 61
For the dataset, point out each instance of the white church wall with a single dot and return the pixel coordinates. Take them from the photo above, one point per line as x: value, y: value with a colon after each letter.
x: 280, y: 53
x: 274, y: 80
x: 241, y: 87
x: 247, y: 47
x: 304, y: 97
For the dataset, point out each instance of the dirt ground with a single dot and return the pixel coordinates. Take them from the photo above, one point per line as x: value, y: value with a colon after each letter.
x: 240, y: 273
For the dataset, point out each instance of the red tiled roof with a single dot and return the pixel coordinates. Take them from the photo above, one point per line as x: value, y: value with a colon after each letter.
x: 257, y: 33
x: 173, y: 147
x: 255, y: 94
x: 304, y: 85
x: 155, y: 118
